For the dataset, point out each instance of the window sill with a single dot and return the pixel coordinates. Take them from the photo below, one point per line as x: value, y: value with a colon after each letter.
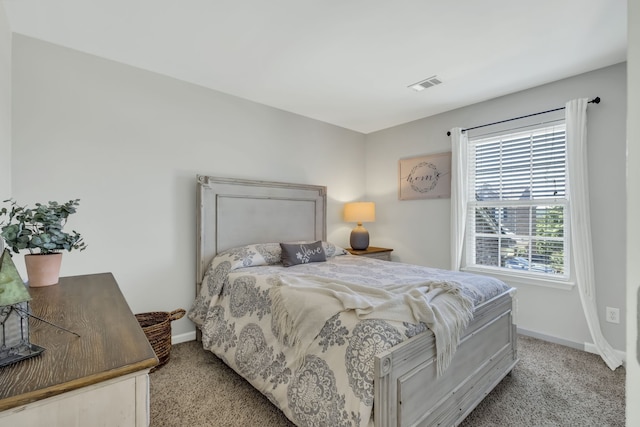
x: 521, y: 279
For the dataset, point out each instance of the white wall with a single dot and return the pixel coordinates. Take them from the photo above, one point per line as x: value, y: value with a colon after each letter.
x: 633, y: 213
x: 5, y: 107
x: 129, y: 143
x: 419, y: 230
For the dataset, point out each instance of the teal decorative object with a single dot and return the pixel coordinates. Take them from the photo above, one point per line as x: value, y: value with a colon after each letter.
x: 12, y: 288
x: 14, y: 315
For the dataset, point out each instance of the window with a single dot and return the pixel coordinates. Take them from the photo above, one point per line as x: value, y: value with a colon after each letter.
x: 517, y: 203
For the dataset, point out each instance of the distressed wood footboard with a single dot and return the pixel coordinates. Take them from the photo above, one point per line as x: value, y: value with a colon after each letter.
x: 408, y: 391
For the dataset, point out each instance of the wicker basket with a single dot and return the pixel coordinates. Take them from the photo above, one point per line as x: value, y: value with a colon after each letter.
x: 157, y: 327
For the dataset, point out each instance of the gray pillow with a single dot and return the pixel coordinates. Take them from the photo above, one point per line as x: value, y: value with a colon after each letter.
x: 302, y: 253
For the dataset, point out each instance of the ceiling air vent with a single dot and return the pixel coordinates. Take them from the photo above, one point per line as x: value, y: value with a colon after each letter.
x: 431, y: 81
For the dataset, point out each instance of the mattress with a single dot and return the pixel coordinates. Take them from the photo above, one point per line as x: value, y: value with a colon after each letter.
x: 330, y: 380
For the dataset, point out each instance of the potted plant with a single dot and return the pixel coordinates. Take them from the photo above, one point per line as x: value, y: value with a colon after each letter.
x: 40, y: 230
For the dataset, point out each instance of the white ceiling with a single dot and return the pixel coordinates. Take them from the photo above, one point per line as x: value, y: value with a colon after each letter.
x: 345, y: 62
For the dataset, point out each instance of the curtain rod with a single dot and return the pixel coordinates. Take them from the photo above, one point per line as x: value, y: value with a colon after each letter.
x: 595, y: 100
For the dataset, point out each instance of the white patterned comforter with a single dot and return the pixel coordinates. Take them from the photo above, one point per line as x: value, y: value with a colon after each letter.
x: 334, y: 385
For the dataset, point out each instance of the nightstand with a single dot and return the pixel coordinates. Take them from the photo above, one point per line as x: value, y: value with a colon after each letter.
x: 373, y: 252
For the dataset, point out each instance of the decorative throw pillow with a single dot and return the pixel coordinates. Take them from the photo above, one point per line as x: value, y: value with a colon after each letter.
x: 251, y: 255
x: 331, y: 250
x: 302, y: 253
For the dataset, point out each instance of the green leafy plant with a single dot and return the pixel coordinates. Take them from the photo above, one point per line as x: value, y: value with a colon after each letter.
x: 39, y: 229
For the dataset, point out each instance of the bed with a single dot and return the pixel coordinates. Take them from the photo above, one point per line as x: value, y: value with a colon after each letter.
x: 352, y: 367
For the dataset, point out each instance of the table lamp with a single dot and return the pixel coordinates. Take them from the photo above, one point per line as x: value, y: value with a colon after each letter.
x: 359, y: 212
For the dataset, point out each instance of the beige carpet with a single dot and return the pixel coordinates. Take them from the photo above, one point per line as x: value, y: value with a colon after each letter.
x: 552, y: 385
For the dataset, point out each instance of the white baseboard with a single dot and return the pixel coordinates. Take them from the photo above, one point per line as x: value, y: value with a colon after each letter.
x: 552, y: 339
x: 588, y: 347
x: 591, y: 348
x: 186, y: 337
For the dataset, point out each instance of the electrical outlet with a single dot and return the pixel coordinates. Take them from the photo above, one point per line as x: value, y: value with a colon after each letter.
x: 613, y: 315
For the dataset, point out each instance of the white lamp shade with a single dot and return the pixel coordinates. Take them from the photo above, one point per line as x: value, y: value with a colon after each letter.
x: 360, y: 212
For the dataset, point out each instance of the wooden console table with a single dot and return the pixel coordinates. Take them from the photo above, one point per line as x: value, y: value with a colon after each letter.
x: 99, y: 378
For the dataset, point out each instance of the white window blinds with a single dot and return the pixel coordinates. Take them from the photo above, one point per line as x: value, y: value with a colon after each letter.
x: 517, y: 201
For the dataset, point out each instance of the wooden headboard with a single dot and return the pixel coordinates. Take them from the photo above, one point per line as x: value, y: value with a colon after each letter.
x: 237, y: 212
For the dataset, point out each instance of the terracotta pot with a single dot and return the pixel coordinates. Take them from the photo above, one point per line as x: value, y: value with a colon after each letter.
x: 43, y: 270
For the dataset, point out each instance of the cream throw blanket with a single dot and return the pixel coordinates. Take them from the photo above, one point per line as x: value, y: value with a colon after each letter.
x: 303, y: 304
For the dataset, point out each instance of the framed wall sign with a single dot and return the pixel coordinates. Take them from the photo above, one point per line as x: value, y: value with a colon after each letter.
x: 425, y: 177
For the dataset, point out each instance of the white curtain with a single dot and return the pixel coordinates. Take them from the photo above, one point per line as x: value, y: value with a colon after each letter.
x: 459, y: 183
x: 580, y: 225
